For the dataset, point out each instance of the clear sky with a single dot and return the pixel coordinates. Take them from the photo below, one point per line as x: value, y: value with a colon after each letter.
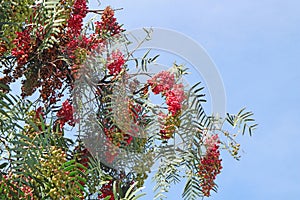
x: 255, y: 45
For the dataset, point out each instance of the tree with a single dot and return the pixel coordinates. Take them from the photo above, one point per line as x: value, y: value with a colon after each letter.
x: 79, y: 79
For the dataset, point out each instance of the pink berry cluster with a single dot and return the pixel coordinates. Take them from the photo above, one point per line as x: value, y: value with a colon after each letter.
x: 164, y: 83
x: 174, y: 98
x: 210, y: 165
x: 115, y: 62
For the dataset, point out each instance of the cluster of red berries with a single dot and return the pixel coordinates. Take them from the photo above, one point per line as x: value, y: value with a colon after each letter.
x: 108, y: 25
x: 39, y: 113
x: 66, y: 114
x: 210, y: 165
x: 106, y: 190
x: 115, y: 63
x: 23, y: 46
x: 164, y: 83
x: 46, y: 69
x: 3, y: 47
x: 174, y: 98
x: 73, y: 38
x: 76, y: 19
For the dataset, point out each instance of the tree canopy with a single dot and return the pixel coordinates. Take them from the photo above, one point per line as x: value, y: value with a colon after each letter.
x: 85, y: 125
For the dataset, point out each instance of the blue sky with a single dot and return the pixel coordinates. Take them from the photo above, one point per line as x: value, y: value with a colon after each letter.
x: 256, y: 46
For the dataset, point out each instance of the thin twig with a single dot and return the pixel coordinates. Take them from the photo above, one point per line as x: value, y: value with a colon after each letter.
x: 101, y: 11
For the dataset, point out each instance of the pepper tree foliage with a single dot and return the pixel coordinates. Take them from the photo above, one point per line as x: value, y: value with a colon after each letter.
x: 60, y: 64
